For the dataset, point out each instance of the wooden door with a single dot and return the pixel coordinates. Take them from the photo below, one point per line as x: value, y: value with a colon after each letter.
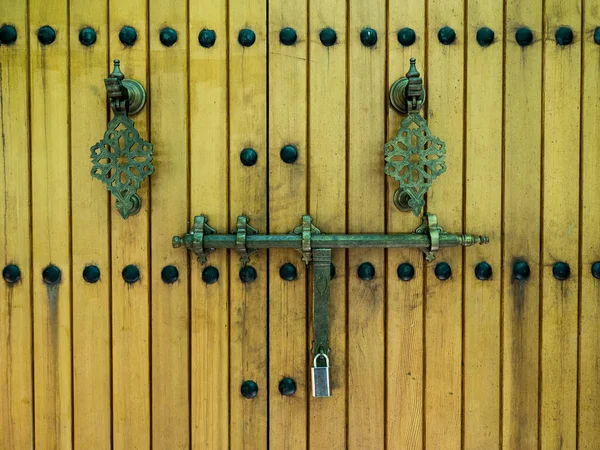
x: 112, y: 338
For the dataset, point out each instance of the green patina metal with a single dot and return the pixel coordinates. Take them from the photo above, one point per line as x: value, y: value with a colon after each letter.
x: 122, y: 159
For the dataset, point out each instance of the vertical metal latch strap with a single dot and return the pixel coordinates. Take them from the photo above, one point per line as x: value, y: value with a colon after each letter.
x: 321, y: 280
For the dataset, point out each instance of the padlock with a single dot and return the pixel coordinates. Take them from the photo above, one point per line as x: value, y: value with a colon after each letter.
x: 320, y: 377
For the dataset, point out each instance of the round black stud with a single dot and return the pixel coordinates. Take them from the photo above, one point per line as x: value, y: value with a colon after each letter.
x: 169, y: 274
x: 521, y: 271
x: 287, y: 386
x: 91, y: 274
x: 524, y: 36
x: 563, y: 35
x: 483, y: 271
x: 597, y: 35
x: 405, y: 271
x: 246, y: 37
x: 51, y: 275
x: 331, y: 271
x: 288, y: 272
x: 247, y: 274
x: 288, y: 36
x: 366, y: 271
x: 8, y: 34
x: 596, y: 270
x: 46, y: 35
x: 207, y: 38
x: 248, y: 157
x: 168, y: 36
x: 11, y: 273
x: 87, y: 36
x: 407, y: 37
x: 446, y: 35
x: 128, y: 36
x: 131, y: 274
x: 328, y: 37
x: 485, y: 36
x: 249, y: 389
x: 289, y: 154
x: 368, y: 37
x: 443, y: 271
x: 210, y: 274
x: 561, y: 270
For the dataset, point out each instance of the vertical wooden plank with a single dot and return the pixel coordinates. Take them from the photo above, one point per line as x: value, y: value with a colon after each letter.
x: 287, y: 202
x: 521, y: 225
x: 130, y: 304
x: 443, y: 313
x: 247, y: 195
x: 90, y: 230
x: 209, y: 159
x: 483, y: 212
x: 589, y: 338
x: 366, y: 214
x: 560, y: 215
x: 49, y: 76
x: 16, y: 393
x: 168, y: 97
x: 327, y: 200
x: 404, y: 328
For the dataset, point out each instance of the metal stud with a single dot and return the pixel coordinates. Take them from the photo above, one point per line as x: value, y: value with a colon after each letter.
x: 521, y: 271
x: 405, y: 271
x: 11, y: 273
x: 51, y: 275
x: 8, y: 35
x: 248, y: 274
x: 248, y: 157
x: 87, y: 36
x: 596, y: 270
x: 563, y: 36
x: 446, y: 35
x: 91, y: 274
x: 483, y: 271
x: 288, y: 272
x: 210, y: 274
x: 46, y: 35
x: 443, y: 271
x: 168, y: 36
x: 207, y: 38
x: 524, y: 36
x: 289, y: 154
x: 561, y: 271
x: 169, y: 274
x: 597, y: 35
x: 368, y: 37
x: 328, y: 37
x: 249, y: 389
x: 407, y: 37
x: 366, y: 271
x: 246, y: 37
x: 287, y: 386
x: 485, y: 36
x: 288, y: 36
x: 131, y: 274
x: 128, y: 36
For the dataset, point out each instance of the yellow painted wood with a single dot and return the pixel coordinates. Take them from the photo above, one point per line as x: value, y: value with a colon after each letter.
x: 90, y: 228
x: 130, y: 239
x: 209, y: 160
x: 560, y: 232
x: 521, y: 227
x: 16, y: 388
x: 483, y: 213
x: 248, y: 195
x: 327, y: 204
x: 287, y: 202
x: 443, y: 308
x: 366, y: 214
x: 404, y: 314
x: 589, y: 341
x: 169, y: 183
x: 50, y: 203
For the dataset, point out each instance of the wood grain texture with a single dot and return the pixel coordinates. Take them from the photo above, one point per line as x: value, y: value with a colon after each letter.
x: 248, y: 195
x: 51, y: 237
x: 366, y: 213
x: 168, y: 97
x: 327, y: 204
x: 560, y: 232
x: 16, y: 385
x: 209, y: 161
x: 483, y: 214
x: 589, y: 331
x: 130, y: 245
x: 90, y: 229
x: 287, y: 203
x: 404, y: 307
x: 443, y: 301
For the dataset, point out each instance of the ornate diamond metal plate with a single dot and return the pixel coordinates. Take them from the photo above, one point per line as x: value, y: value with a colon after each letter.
x: 122, y: 160
x: 414, y: 157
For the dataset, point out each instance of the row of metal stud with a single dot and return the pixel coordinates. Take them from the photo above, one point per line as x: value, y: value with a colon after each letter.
x: 366, y: 271
x: 287, y: 36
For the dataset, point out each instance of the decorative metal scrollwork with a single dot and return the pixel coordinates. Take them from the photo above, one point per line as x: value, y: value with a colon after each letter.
x: 414, y: 157
x: 122, y: 159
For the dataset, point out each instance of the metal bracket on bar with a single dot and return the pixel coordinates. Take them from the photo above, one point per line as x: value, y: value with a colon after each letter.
x: 194, y: 239
x: 307, y: 229
x: 242, y: 230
